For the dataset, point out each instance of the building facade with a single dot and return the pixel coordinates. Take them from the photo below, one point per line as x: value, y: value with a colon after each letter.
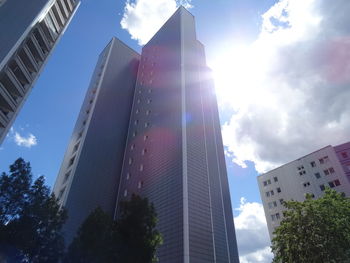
x: 169, y: 147
x: 29, y: 30
x: 310, y: 174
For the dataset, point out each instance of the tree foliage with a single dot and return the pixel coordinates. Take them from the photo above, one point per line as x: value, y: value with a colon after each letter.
x: 132, y: 238
x: 95, y: 241
x: 136, y: 230
x: 31, y: 219
x: 314, y: 231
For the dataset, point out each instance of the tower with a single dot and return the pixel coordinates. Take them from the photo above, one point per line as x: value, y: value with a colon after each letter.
x: 29, y: 32
x: 172, y: 150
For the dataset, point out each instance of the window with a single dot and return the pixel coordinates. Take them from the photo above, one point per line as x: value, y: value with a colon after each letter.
x: 130, y: 161
x: 144, y: 151
x: 138, y: 100
x: 141, y: 167
x: 272, y: 193
x: 323, y: 160
x: 87, y: 111
x: 76, y: 147
x: 273, y: 217
x: 334, y: 183
x: 317, y: 175
x: 344, y: 155
x: 148, y: 112
x: 71, y: 161
x: 61, y: 193
x: 146, y: 124
x: 125, y: 193
x: 326, y: 172
x: 134, y: 134
x: 149, y: 90
x: 270, y: 205
x: 306, y: 184
x: 140, y: 91
x: 281, y: 201
x: 275, y: 179
x: 278, y: 190
x: 66, y: 176
x: 265, y: 183
x: 140, y: 184
x: 269, y: 181
x: 331, y: 170
x: 132, y: 147
x: 145, y: 137
x: 322, y: 187
x: 137, y: 111
x: 127, y: 176
x: 313, y: 164
x: 91, y: 101
x: 136, y: 122
x: 150, y: 81
x: 278, y: 216
x: 267, y: 194
x: 274, y: 203
x: 149, y: 101
x: 84, y: 122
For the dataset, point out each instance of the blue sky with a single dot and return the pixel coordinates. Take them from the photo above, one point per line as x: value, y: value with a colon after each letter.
x: 263, y: 53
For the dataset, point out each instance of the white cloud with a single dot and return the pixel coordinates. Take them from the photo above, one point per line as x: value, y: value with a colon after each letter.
x: 143, y: 18
x: 290, y: 89
x: 28, y: 141
x: 252, y: 234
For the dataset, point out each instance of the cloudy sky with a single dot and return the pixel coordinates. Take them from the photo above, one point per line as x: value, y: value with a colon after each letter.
x: 282, y: 77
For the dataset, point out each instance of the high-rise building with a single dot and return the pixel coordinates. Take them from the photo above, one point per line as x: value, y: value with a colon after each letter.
x: 310, y: 174
x: 29, y: 30
x: 149, y: 125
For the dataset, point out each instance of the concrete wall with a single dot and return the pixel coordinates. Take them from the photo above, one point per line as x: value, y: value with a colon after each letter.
x: 98, y: 141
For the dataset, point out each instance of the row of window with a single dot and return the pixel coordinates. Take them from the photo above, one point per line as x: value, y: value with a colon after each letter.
x: 274, y: 203
x: 328, y: 171
x: 267, y: 182
x: 140, y: 184
x: 271, y: 193
x: 275, y: 217
x: 331, y: 184
x: 313, y: 164
x: 80, y: 134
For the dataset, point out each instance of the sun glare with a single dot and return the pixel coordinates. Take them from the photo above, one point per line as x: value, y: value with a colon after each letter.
x: 237, y: 74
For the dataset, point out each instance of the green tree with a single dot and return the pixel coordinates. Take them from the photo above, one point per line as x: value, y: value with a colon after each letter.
x: 31, y: 219
x: 314, y: 231
x: 95, y: 241
x: 131, y: 239
x: 136, y: 229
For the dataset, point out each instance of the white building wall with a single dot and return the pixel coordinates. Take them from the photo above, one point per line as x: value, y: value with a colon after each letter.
x: 306, y: 175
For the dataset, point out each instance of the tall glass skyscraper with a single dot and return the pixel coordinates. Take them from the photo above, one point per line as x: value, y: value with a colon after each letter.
x: 29, y: 30
x: 150, y: 125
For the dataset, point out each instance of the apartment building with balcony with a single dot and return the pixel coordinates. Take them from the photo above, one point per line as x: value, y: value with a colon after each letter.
x: 310, y: 174
x: 29, y: 30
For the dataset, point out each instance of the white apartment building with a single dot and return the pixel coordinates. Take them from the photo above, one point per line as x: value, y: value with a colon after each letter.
x: 310, y: 174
